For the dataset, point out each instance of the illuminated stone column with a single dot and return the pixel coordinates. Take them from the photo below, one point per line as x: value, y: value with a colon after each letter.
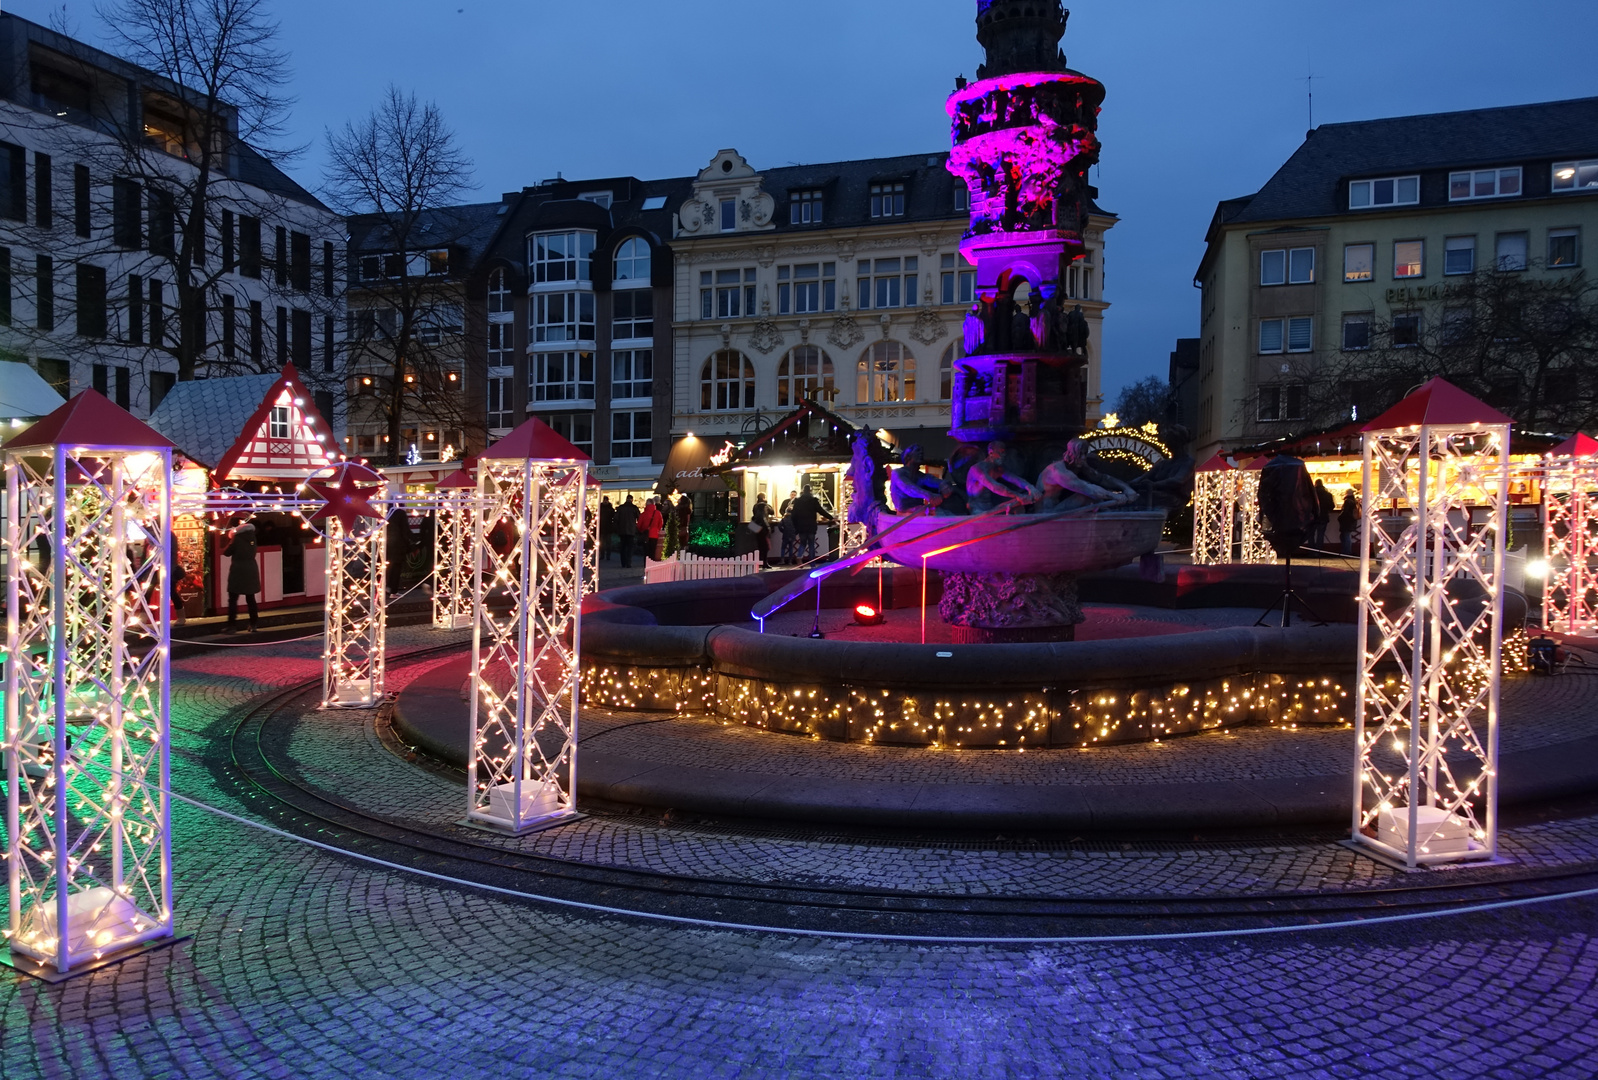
x: 88, y: 823
x: 452, y: 551
x: 526, y: 640
x: 1431, y: 629
x: 1214, y: 504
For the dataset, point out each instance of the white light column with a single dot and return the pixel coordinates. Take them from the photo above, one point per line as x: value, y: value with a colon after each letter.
x: 453, y: 538
x: 353, y: 667
x: 1431, y: 629
x: 532, y: 531
x: 88, y: 823
x: 1252, y: 546
x: 1570, y: 544
x: 1214, y: 506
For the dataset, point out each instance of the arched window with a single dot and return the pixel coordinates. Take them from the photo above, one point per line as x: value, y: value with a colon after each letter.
x: 632, y: 264
x: 951, y: 356
x: 804, y: 371
x: 499, y: 297
x: 727, y: 382
x: 887, y: 373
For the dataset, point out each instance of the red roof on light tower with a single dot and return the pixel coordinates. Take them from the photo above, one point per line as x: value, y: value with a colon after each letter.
x: 1215, y: 464
x: 1578, y: 445
x: 1437, y: 403
x: 91, y: 420
x: 534, y: 441
x: 460, y: 478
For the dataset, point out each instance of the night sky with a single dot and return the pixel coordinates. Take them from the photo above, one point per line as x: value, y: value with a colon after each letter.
x: 1205, y: 99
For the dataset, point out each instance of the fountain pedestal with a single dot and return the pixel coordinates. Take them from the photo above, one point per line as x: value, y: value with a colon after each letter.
x: 999, y: 608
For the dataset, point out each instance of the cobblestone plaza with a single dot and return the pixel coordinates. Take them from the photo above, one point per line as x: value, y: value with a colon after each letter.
x: 304, y: 962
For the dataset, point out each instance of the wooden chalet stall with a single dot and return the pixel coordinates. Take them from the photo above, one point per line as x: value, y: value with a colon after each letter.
x: 252, y: 433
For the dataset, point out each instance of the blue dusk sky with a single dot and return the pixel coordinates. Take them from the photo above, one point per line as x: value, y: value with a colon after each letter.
x: 1205, y: 99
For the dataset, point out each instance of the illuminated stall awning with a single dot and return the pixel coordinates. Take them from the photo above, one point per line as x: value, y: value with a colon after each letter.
x: 688, y: 466
x: 811, y: 434
x: 262, y: 427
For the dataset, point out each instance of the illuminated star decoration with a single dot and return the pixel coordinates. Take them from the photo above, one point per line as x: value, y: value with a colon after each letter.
x: 345, y: 500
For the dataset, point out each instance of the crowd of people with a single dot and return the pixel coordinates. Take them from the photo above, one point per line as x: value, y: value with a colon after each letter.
x: 630, y: 529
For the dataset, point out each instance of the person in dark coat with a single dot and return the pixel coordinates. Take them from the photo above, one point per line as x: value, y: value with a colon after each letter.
x: 806, y: 512
x: 607, y: 525
x: 760, y: 516
x: 1324, y: 505
x: 685, y: 521
x: 400, y: 542
x: 627, y: 530
x: 1348, y: 522
x: 243, y: 575
x: 174, y: 575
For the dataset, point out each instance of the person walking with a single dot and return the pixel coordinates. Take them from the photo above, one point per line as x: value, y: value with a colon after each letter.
x: 1324, y: 505
x: 806, y: 512
x: 650, y: 523
x: 174, y: 573
x: 607, y: 522
x: 243, y: 575
x: 627, y: 530
x: 1348, y: 522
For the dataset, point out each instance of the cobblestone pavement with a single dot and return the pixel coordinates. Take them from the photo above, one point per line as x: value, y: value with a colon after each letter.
x: 307, y: 964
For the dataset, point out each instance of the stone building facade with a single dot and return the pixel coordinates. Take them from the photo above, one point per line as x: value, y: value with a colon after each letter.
x: 843, y: 281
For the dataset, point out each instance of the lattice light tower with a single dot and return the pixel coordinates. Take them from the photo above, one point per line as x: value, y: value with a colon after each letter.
x: 1431, y: 629
x: 1252, y: 545
x: 1214, y: 505
x: 452, y: 551
x: 593, y: 544
x: 1570, y: 536
x: 526, y: 636
x: 88, y: 823
x: 356, y: 612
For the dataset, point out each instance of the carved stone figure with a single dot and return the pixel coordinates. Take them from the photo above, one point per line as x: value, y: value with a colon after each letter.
x: 911, y: 488
x: 863, y: 500
x: 976, y: 330
x: 988, y: 484
x: 1075, y: 333
x: 1021, y: 339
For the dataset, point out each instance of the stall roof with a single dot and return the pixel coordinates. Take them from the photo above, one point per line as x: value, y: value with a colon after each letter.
x: 24, y: 395
x: 688, y: 466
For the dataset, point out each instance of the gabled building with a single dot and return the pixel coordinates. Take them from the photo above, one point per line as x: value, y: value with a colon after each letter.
x: 128, y: 248
x: 1364, y: 239
x: 256, y: 432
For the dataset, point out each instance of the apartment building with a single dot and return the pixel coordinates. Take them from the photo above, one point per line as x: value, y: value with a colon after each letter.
x: 1364, y: 239
x: 120, y: 269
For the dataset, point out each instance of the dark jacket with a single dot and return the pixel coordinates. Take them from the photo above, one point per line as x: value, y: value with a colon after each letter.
x: 806, y: 509
x: 1348, y: 516
x: 243, y: 575
x: 627, y: 519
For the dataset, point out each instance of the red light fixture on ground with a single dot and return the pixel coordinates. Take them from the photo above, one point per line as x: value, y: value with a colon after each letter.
x: 868, y: 615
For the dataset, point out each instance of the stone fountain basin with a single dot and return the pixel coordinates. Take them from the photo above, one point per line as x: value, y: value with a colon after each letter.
x: 1077, y: 543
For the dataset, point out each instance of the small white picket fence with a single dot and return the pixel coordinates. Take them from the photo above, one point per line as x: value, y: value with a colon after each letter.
x: 686, y: 566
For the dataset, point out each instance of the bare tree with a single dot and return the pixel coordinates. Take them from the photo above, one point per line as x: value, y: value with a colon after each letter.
x: 398, y: 174
x: 1524, y: 341
x: 1150, y: 398
x: 178, y: 169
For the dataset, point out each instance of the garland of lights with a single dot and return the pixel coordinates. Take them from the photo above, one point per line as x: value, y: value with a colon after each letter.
x: 1570, y: 544
x: 86, y: 717
x: 1214, y: 507
x: 1431, y: 663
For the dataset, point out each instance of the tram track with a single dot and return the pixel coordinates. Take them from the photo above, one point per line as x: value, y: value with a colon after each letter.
x: 259, y: 764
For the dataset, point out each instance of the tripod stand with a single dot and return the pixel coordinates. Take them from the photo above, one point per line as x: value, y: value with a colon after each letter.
x: 1289, y: 597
